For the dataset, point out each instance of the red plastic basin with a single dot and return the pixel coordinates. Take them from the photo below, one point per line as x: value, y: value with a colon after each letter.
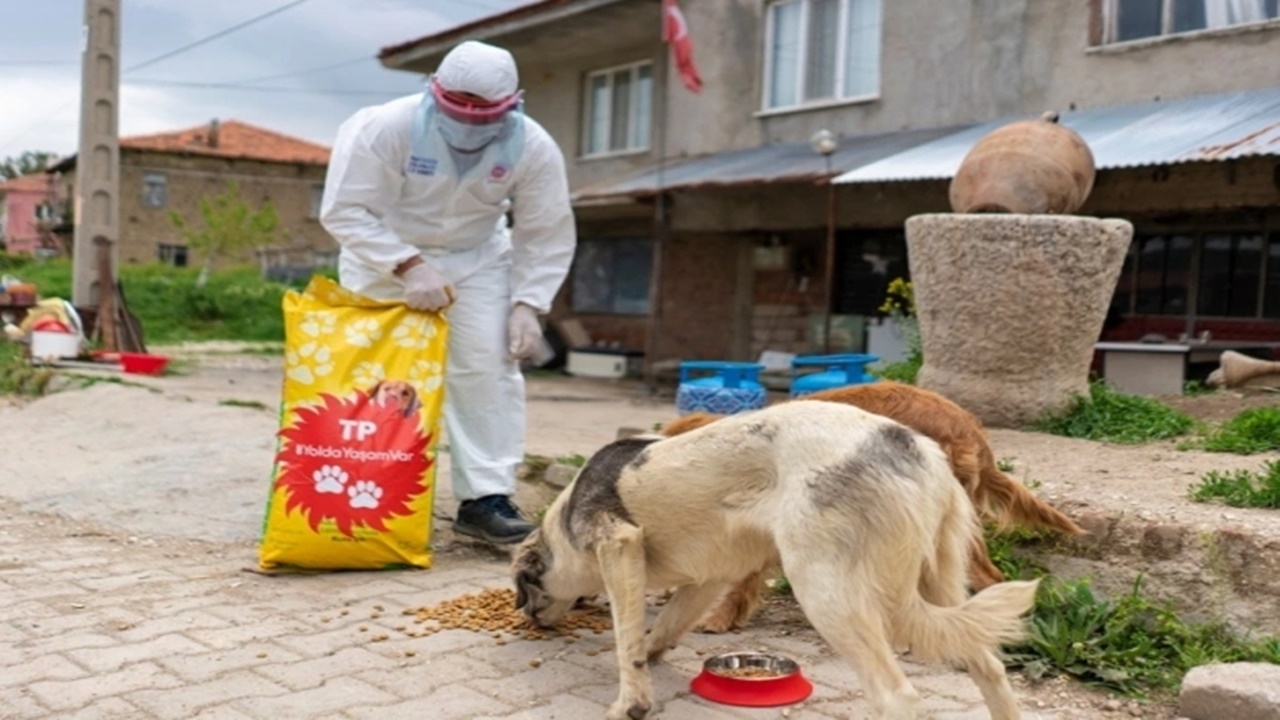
x: 143, y: 363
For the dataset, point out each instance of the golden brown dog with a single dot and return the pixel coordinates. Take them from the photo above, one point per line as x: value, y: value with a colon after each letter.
x: 994, y: 494
x: 396, y: 394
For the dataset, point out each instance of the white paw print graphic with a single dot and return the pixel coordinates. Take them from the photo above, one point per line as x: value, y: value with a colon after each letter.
x: 368, y: 373
x: 363, y: 333
x: 316, y: 324
x: 364, y: 494
x: 426, y: 376
x: 414, y: 333
x: 308, y: 362
x: 330, y: 479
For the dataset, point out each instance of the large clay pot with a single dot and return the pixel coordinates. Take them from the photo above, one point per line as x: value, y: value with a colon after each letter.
x: 1010, y: 307
x: 1033, y: 167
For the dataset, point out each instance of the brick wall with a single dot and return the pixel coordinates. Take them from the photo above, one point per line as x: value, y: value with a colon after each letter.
x: 187, y: 179
x: 700, y: 313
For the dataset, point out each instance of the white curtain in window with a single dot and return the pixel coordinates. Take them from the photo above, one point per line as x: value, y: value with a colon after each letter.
x: 784, y: 54
x: 621, y: 111
x: 862, y: 48
x: 640, y: 120
x: 823, y: 46
x: 598, y: 122
x: 1224, y: 13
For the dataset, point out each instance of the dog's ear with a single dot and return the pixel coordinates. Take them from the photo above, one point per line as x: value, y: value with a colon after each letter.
x: 373, y: 391
x: 529, y: 567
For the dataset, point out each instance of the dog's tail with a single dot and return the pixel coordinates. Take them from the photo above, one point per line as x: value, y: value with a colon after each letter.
x: 1017, y: 505
x: 961, y: 633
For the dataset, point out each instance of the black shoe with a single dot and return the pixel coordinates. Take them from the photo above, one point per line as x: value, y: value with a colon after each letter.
x: 492, y: 518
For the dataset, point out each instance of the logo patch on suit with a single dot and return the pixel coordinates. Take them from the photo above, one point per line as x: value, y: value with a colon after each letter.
x: 422, y: 166
x: 499, y: 173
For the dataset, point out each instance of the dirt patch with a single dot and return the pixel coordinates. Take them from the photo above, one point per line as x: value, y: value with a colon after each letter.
x: 1223, y: 405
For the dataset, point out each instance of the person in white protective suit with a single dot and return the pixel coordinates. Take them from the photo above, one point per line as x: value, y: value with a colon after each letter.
x: 416, y: 195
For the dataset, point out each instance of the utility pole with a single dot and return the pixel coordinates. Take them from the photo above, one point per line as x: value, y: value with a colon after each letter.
x: 97, y: 199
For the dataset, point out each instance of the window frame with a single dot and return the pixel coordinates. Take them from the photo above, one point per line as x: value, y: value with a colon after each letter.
x: 317, y: 201
x: 612, y: 242
x: 174, y: 250
x: 1130, y: 278
x: 587, y: 99
x: 150, y: 178
x: 1110, y: 25
x: 842, y: 40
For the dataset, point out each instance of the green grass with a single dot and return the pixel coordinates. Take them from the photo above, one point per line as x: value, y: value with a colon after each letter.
x: 1254, y: 430
x: 1111, y: 416
x: 17, y: 377
x: 253, y: 404
x: 576, y: 460
x: 236, y: 304
x: 1132, y: 645
x: 1242, y: 488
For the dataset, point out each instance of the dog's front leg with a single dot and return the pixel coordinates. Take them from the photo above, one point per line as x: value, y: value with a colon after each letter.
x: 678, y: 616
x: 621, y: 558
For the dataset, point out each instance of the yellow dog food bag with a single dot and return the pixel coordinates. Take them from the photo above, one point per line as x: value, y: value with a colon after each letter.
x: 354, y: 478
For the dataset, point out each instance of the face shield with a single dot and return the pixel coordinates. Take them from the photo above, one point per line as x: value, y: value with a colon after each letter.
x: 467, y: 122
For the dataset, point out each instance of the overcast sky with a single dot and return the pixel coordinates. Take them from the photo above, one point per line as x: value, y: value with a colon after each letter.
x: 40, y: 63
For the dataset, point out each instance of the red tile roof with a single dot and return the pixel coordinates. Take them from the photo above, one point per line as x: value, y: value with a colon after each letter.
x: 234, y: 139
x: 35, y: 182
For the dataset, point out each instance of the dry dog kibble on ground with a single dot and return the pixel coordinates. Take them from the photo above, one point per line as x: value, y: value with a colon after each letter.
x: 494, y: 611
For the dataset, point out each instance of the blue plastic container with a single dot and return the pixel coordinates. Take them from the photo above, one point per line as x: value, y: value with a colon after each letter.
x: 841, y: 371
x: 723, y: 388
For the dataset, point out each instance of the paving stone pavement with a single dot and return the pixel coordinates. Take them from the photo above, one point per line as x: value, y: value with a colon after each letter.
x: 99, y: 620
x: 103, y: 626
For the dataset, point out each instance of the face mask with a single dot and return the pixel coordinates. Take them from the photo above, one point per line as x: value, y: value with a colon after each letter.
x: 465, y: 137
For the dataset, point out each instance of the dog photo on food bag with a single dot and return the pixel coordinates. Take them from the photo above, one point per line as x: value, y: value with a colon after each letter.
x: 861, y: 512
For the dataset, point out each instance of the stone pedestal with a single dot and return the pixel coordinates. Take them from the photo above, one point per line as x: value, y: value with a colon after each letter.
x: 1010, y: 307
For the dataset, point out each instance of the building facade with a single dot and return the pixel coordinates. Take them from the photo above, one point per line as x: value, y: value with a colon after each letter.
x: 27, y: 209
x: 705, y: 218
x: 171, y: 172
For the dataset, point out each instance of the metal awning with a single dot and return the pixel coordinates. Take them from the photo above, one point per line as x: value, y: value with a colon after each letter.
x: 781, y: 162
x: 1200, y: 129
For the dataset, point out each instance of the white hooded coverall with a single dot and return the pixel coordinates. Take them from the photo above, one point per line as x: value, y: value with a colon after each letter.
x: 383, y: 209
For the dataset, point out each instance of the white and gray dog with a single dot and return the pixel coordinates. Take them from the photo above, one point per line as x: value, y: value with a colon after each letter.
x: 871, y: 528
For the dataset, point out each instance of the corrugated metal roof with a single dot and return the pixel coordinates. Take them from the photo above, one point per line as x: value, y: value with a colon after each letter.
x: 781, y: 162
x: 1203, y: 128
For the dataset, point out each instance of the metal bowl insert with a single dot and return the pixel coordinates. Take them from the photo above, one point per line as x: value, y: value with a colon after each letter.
x: 751, y: 666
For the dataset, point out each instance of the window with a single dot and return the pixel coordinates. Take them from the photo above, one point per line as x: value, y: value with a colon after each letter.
x: 175, y: 255
x: 1164, y: 275
x: 820, y: 51
x: 611, y: 275
x: 1237, y: 275
x: 619, y: 110
x: 867, y: 263
x: 317, y: 198
x: 153, y: 190
x: 1230, y: 274
x: 1271, y: 293
x: 1137, y: 19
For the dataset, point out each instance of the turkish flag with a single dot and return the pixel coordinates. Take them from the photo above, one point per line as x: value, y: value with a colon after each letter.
x: 676, y: 32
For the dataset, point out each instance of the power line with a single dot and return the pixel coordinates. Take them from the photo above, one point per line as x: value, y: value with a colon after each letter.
x: 215, y: 36
x: 262, y: 88
x: 308, y: 71
x: 38, y: 122
x: 20, y: 63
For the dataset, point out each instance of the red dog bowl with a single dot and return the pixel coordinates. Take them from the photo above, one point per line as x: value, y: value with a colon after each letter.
x: 143, y: 363
x: 751, y: 679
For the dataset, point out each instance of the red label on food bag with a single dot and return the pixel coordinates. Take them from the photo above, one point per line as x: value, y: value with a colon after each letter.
x: 358, y: 461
